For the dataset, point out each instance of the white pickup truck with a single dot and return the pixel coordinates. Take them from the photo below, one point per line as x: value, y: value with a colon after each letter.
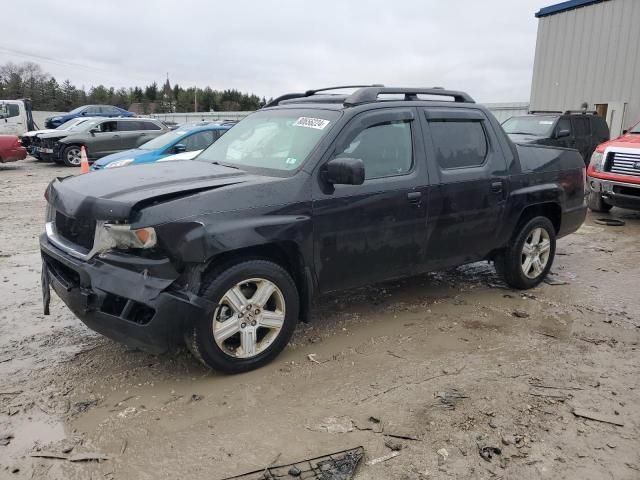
x: 16, y: 117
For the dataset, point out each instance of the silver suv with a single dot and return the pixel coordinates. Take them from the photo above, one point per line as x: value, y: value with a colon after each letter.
x: 101, y: 137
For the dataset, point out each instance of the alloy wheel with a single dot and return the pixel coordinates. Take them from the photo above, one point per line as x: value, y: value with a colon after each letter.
x: 535, y: 252
x: 248, y: 318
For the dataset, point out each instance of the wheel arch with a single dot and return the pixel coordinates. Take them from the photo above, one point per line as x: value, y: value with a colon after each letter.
x: 285, y: 253
x: 551, y: 210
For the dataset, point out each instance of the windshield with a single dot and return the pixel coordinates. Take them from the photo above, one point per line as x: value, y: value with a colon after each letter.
x: 163, y: 140
x: 276, y: 139
x: 635, y: 129
x: 539, y: 126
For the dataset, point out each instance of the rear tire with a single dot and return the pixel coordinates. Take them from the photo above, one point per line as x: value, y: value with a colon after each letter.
x: 529, y: 256
x: 71, y: 156
x: 246, y: 331
x: 596, y: 203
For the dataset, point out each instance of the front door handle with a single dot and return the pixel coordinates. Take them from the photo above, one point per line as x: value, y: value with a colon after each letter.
x: 414, y: 197
x: 497, y: 187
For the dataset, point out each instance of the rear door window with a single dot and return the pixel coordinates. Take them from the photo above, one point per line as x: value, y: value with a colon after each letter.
x: 459, y: 143
x: 129, y: 126
x: 146, y: 125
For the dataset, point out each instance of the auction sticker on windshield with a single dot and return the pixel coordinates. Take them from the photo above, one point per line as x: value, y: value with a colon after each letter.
x: 317, y: 123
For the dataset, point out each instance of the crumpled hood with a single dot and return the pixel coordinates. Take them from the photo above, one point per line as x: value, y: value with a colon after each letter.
x: 33, y: 133
x: 134, y: 153
x: 523, y: 138
x: 115, y: 194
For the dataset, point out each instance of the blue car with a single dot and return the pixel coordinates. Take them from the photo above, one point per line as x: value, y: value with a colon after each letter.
x: 183, y: 140
x: 88, y: 111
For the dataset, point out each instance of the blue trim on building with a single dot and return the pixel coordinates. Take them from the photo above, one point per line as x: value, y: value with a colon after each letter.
x: 564, y: 6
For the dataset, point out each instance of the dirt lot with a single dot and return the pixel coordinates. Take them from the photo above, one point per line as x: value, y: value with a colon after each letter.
x: 453, y: 361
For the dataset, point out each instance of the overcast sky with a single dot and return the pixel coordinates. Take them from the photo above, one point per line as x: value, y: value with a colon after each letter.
x: 485, y: 47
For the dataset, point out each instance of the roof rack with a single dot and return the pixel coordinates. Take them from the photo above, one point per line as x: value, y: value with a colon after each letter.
x: 309, y: 93
x: 581, y: 112
x: 370, y: 94
x: 533, y: 112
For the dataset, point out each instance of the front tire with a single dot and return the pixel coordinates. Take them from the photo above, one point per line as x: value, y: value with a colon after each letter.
x: 596, y: 203
x: 71, y: 156
x: 529, y: 256
x: 256, y: 315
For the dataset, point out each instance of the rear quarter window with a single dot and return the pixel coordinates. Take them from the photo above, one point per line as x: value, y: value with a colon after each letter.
x: 459, y: 143
x: 150, y: 126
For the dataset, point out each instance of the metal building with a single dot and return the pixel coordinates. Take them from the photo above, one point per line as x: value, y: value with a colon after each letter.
x: 589, y: 51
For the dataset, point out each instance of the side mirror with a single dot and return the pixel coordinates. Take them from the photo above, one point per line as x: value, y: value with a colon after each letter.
x: 84, y: 114
x: 179, y: 148
x: 563, y: 133
x: 345, y: 171
x: 94, y: 130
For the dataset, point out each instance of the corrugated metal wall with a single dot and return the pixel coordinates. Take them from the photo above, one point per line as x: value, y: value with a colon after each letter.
x: 590, y: 54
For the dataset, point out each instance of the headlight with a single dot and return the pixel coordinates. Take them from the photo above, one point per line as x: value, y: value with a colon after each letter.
x: 119, y: 163
x: 597, y: 161
x: 123, y: 237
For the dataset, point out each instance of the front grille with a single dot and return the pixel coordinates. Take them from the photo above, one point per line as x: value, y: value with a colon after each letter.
x: 625, y: 163
x: 76, y: 230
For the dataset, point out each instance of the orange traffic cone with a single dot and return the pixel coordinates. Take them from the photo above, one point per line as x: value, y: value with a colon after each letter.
x: 84, y: 161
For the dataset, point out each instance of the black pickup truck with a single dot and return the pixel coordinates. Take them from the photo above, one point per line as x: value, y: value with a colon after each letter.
x: 315, y: 192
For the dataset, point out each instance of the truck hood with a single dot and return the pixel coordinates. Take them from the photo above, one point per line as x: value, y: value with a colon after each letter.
x: 630, y: 140
x: 523, y: 138
x: 118, y: 193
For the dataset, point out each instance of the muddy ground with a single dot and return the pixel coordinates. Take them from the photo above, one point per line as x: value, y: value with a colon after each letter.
x: 453, y: 361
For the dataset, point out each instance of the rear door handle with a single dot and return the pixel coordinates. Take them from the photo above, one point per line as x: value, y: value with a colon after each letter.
x: 414, y: 197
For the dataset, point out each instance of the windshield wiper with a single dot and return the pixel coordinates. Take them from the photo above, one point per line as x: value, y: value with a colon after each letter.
x: 520, y: 133
x: 225, y: 165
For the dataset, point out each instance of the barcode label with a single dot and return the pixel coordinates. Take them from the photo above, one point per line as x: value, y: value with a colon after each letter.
x: 317, y: 123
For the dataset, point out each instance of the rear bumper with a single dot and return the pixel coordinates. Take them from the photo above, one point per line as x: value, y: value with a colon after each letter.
x: 618, y: 194
x: 132, y: 303
x: 13, y: 155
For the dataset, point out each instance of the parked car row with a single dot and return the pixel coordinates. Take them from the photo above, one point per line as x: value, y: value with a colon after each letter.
x: 88, y: 111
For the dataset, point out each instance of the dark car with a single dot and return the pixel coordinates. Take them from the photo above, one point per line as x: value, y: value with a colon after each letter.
x: 88, y: 111
x: 314, y: 193
x: 100, y: 137
x: 581, y: 130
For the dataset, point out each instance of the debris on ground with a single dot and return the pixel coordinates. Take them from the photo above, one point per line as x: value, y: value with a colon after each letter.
x: 443, y: 454
x: 370, y: 423
x: 450, y: 398
x: 487, y: 452
x: 393, y: 444
x: 581, y: 412
x: 383, y: 458
x: 520, y: 314
x: 341, y: 465
x: 334, y: 425
x: 5, y: 439
x: 610, y: 222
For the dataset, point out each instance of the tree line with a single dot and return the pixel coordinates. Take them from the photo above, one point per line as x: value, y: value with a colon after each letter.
x: 29, y: 80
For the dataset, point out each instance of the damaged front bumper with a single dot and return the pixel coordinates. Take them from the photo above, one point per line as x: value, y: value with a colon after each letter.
x: 128, y: 298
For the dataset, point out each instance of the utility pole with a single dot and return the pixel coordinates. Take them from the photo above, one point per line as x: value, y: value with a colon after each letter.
x: 195, y: 99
